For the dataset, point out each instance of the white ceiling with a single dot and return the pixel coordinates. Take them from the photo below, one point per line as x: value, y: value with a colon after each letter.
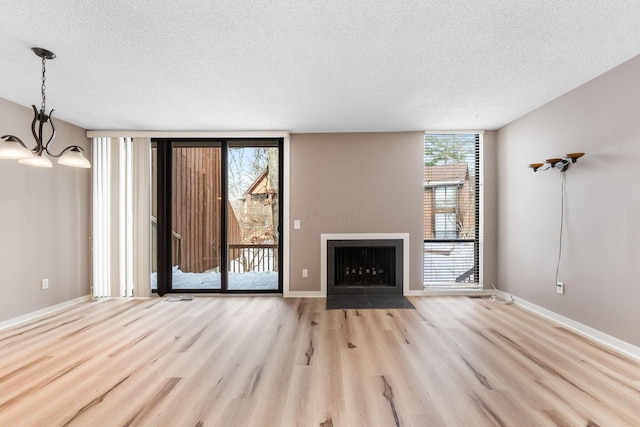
x: 308, y: 66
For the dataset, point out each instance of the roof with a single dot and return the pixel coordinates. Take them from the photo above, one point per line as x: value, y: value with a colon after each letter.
x: 453, y: 174
x: 261, y: 185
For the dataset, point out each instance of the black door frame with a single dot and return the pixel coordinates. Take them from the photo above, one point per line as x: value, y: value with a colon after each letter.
x: 164, y: 147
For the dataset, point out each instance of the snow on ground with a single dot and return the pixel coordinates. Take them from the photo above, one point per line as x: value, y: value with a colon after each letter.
x: 264, y: 280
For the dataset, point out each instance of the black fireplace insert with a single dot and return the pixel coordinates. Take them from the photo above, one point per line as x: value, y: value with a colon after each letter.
x: 364, y: 267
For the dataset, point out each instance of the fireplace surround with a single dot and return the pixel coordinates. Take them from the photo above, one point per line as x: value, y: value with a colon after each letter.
x: 365, y: 264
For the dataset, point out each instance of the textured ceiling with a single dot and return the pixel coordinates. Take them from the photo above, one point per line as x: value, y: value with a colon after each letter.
x: 308, y: 66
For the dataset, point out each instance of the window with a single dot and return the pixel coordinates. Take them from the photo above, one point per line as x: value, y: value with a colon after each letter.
x: 445, y: 226
x: 451, y: 210
x: 445, y: 212
x: 446, y: 197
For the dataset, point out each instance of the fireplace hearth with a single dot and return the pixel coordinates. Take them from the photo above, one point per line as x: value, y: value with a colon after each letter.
x: 364, y: 267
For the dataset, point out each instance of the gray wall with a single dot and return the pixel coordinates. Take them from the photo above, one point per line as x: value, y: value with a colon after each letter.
x: 45, y: 217
x: 601, y: 247
x: 354, y: 183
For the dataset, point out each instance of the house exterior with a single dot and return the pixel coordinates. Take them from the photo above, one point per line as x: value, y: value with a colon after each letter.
x: 256, y: 219
x: 449, y: 202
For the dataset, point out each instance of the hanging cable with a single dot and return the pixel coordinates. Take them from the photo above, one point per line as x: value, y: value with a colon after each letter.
x: 562, y: 185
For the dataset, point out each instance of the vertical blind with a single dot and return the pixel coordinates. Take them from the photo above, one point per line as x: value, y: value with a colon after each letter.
x: 121, y: 217
x: 451, y: 209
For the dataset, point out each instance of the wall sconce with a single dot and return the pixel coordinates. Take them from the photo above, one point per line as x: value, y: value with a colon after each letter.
x: 13, y: 148
x: 562, y: 164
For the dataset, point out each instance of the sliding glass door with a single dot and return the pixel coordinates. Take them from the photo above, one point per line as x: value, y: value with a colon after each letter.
x: 253, y: 218
x: 218, y: 216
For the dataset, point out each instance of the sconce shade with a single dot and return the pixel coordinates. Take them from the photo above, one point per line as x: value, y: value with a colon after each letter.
x: 557, y: 163
x: 74, y: 158
x: 12, y: 148
x: 38, y: 161
x: 574, y: 156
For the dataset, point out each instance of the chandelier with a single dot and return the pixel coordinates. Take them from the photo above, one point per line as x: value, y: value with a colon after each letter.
x: 13, y: 148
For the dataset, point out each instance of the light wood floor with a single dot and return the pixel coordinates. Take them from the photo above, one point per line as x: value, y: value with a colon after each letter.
x: 270, y: 361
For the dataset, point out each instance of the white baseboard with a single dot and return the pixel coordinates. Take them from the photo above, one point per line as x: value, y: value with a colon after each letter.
x: 25, y: 317
x: 454, y: 292
x: 413, y: 293
x: 587, y: 331
x: 304, y: 294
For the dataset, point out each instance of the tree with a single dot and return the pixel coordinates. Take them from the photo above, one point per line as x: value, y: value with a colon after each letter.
x: 273, y: 160
x: 443, y: 149
x: 245, y: 166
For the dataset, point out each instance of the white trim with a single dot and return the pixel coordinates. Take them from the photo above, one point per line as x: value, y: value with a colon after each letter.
x: 26, y: 317
x: 455, y: 292
x: 453, y: 132
x: 587, y: 331
x: 431, y: 184
x: 304, y: 294
x: 365, y: 236
x: 187, y: 134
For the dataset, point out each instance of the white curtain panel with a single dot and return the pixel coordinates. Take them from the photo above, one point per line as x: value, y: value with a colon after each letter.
x: 121, y: 217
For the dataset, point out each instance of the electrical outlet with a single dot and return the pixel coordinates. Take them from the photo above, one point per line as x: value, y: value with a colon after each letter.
x: 305, y: 272
x: 44, y: 283
x: 560, y: 288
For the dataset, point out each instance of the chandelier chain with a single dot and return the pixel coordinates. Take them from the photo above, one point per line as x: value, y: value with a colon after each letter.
x: 44, y: 96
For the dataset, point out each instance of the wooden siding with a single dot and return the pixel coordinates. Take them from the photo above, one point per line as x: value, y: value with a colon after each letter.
x: 196, y: 207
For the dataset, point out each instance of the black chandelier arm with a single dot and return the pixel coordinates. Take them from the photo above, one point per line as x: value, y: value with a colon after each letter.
x: 53, y: 130
x: 41, y: 118
x: 69, y: 148
x: 36, y: 116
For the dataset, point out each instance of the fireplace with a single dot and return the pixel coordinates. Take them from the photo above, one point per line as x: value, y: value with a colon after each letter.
x: 364, y: 266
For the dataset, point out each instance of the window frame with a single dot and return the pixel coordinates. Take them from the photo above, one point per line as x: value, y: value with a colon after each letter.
x: 476, y: 240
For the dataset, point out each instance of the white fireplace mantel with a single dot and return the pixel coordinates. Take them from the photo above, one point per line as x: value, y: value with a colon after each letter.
x: 324, y: 238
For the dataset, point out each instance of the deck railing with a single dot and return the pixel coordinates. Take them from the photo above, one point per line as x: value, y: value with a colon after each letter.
x: 244, y: 258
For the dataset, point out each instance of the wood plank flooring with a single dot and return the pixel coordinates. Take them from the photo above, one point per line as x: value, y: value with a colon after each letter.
x: 270, y: 361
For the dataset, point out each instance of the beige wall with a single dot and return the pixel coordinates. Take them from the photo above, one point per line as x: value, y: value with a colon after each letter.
x: 45, y: 216
x: 489, y: 210
x: 601, y: 247
x: 354, y: 183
